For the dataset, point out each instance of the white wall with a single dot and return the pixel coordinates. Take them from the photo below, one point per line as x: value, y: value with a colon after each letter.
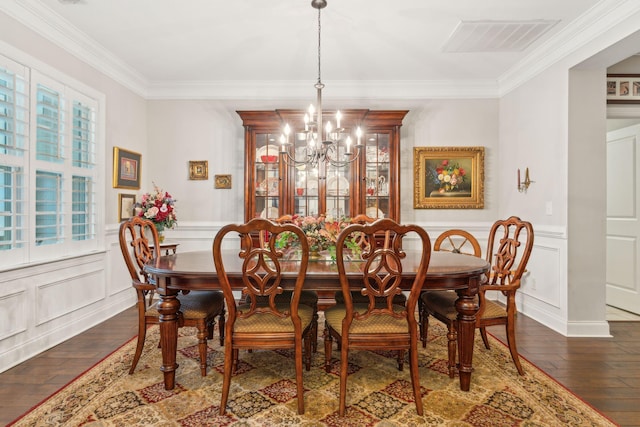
x: 558, y: 122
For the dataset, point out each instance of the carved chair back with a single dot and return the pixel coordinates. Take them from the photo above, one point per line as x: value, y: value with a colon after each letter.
x: 382, y: 272
x: 261, y: 269
x: 458, y: 242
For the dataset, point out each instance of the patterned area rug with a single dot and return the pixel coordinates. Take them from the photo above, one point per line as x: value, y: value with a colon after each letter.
x: 263, y: 391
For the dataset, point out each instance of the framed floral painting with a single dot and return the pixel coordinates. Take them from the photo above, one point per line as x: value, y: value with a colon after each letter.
x: 448, y: 177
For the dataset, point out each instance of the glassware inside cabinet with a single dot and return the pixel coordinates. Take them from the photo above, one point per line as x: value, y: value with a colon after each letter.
x: 338, y: 188
x: 267, y: 174
x: 306, y: 192
x: 377, y: 166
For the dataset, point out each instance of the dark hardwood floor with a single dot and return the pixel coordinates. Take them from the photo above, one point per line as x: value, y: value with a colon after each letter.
x: 605, y: 372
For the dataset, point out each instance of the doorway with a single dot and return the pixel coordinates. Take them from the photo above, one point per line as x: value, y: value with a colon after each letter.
x: 623, y: 218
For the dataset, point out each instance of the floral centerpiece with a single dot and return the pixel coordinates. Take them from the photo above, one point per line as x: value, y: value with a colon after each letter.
x: 321, y: 232
x: 449, y: 176
x: 158, y: 206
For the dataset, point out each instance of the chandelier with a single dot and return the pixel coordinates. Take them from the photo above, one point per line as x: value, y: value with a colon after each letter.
x: 323, y: 144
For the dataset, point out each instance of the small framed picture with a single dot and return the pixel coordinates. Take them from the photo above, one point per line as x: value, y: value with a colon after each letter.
x: 126, y: 203
x: 223, y: 181
x: 198, y: 169
x: 126, y: 169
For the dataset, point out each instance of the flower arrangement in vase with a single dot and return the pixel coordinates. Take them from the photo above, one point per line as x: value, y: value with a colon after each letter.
x: 321, y: 232
x: 158, y: 206
x: 449, y: 176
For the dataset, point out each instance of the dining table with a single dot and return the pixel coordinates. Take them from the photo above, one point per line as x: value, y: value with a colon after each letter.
x: 192, y: 271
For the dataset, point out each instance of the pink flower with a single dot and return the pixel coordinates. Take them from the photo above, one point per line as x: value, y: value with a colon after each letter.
x: 151, y: 212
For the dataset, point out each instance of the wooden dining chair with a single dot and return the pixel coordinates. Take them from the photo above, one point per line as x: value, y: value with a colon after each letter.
x: 307, y: 297
x: 508, y: 251
x: 274, y: 325
x: 370, y: 326
x: 458, y: 242
x: 363, y: 242
x: 197, y: 308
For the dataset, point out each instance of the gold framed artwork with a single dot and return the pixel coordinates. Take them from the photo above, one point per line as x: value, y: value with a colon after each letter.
x: 198, y: 169
x: 126, y: 169
x: 448, y: 177
x: 223, y: 181
x: 126, y: 203
x: 623, y: 88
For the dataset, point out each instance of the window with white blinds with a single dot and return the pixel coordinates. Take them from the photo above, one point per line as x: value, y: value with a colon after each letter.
x: 48, y: 167
x: 14, y: 131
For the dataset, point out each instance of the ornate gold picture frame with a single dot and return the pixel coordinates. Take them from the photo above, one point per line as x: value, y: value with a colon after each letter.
x: 126, y: 169
x: 198, y: 169
x: 448, y: 177
x: 223, y: 181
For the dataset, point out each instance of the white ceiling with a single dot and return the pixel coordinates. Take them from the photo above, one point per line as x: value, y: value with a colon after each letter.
x: 163, y: 43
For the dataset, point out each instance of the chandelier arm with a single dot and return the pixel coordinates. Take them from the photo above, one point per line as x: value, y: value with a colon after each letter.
x: 343, y: 163
x: 291, y: 161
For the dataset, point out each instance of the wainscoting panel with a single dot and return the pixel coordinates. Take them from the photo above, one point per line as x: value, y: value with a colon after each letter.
x: 45, y: 304
x: 69, y: 293
x: 12, y: 306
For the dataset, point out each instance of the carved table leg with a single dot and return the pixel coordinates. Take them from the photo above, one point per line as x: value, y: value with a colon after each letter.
x: 168, y: 308
x: 467, y: 308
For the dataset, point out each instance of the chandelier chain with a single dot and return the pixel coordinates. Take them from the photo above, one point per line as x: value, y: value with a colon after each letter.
x: 333, y: 148
x: 319, y: 31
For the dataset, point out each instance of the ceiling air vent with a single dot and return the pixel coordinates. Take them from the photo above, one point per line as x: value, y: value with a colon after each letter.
x: 496, y: 36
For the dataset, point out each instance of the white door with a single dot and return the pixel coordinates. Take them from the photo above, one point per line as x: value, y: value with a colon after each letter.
x: 623, y: 218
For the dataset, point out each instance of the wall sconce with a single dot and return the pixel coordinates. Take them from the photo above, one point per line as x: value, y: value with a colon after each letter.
x: 524, y: 185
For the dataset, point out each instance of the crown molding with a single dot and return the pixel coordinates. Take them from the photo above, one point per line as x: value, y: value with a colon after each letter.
x: 54, y: 28
x: 600, y: 19
x: 603, y: 18
x: 338, y: 90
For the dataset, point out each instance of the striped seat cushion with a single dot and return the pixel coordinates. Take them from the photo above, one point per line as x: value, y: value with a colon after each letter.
x: 374, y: 324
x: 269, y: 323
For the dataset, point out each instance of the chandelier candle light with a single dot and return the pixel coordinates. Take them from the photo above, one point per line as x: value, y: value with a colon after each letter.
x: 332, y: 146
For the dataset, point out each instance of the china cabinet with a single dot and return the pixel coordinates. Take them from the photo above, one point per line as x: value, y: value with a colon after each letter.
x: 276, y: 185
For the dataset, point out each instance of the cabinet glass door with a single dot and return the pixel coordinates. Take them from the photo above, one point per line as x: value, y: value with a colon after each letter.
x: 268, y: 180
x: 306, y: 199
x: 338, y: 189
x: 377, y: 166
